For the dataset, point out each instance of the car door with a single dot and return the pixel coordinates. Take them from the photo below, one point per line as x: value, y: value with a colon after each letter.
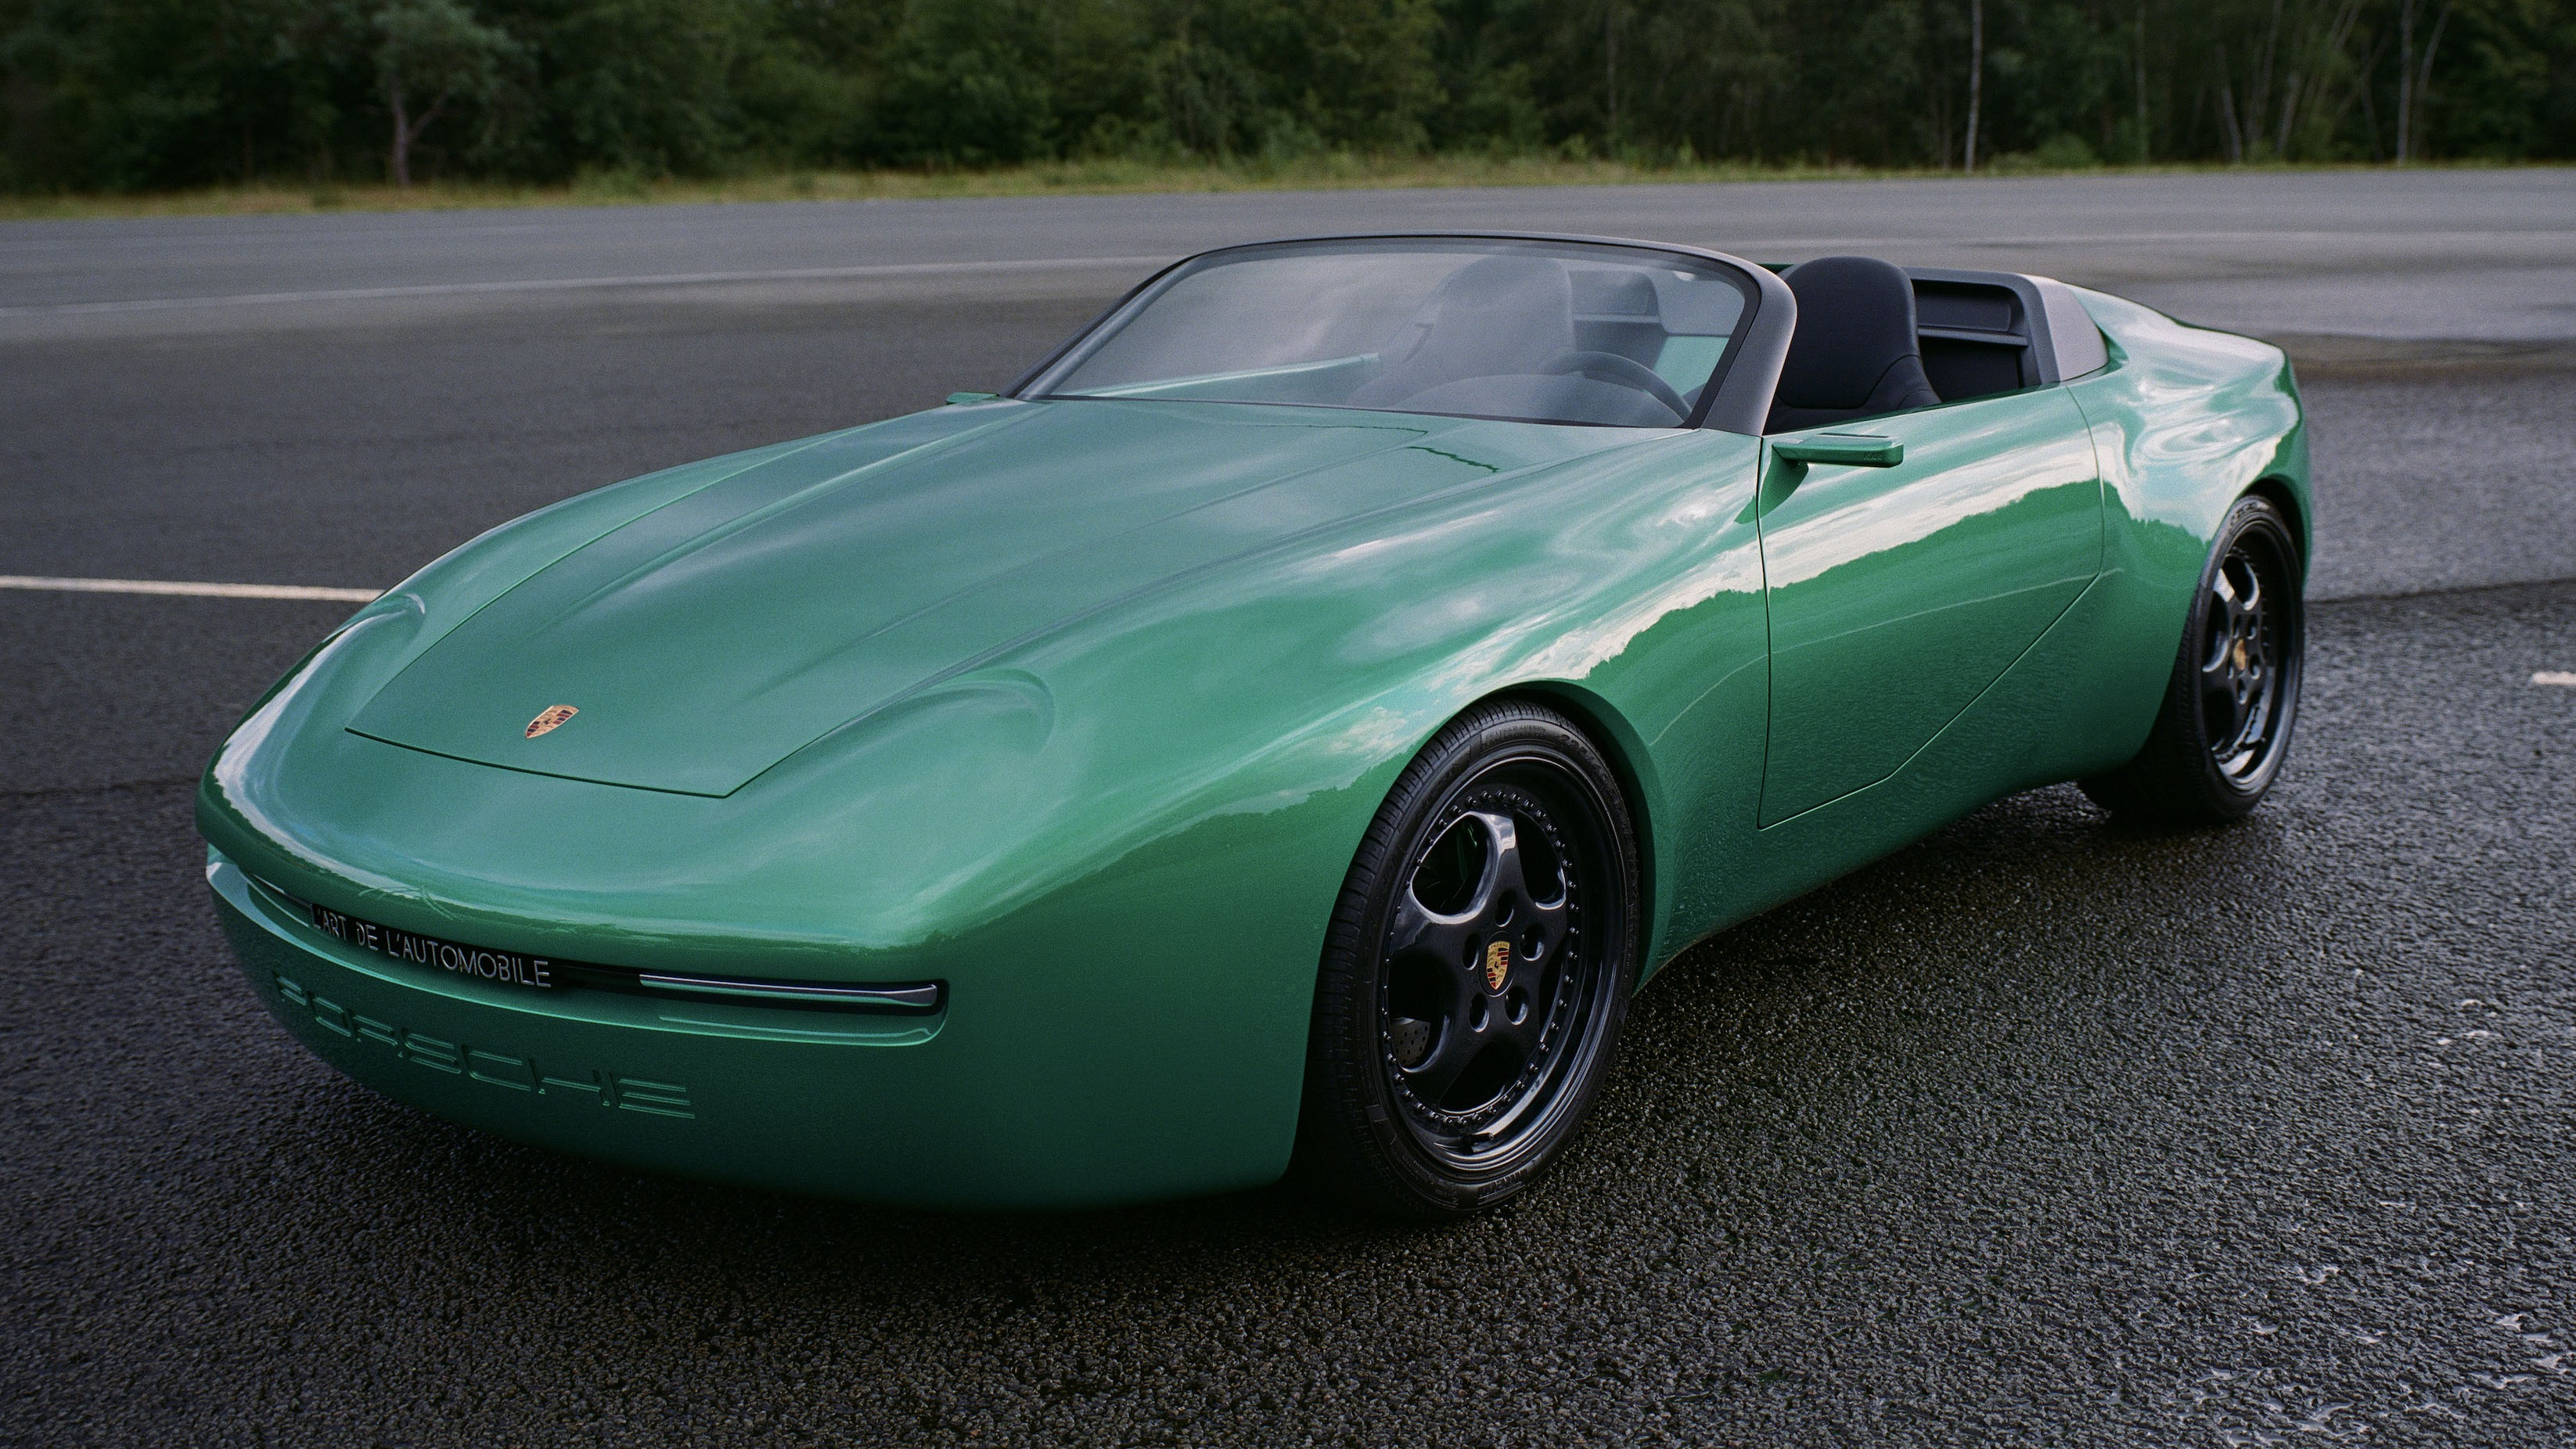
x: 1898, y: 594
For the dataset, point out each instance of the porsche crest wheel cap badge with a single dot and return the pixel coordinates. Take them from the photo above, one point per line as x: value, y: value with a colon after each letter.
x: 1498, y: 964
x: 554, y: 715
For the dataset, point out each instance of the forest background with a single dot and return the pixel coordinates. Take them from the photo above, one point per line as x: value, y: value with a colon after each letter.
x: 152, y: 95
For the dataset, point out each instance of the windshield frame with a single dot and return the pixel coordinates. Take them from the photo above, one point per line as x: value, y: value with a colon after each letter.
x: 1760, y: 336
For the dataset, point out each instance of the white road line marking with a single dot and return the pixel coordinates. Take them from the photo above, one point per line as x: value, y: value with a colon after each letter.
x: 2555, y: 676
x: 574, y: 284
x: 173, y: 586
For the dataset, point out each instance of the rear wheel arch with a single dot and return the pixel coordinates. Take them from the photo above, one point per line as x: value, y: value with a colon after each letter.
x: 2225, y: 720
x: 2276, y: 490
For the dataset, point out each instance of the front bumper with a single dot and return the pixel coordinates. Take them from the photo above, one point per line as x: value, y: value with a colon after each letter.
x: 897, y: 1108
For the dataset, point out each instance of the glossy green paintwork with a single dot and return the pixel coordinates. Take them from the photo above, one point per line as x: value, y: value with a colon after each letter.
x: 1899, y: 594
x: 1083, y: 706
x: 793, y: 597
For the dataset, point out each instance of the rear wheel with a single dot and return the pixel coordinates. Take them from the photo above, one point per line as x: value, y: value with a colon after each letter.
x: 1476, y: 971
x: 2224, y: 728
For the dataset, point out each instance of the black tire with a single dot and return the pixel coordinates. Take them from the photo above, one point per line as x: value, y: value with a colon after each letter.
x: 1437, y: 1084
x: 2224, y: 728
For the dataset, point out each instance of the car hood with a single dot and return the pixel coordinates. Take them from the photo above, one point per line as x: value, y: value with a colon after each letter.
x: 706, y: 640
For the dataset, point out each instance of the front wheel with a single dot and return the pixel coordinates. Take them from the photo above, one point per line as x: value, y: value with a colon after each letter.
x: 1476, y: 971
x: 2224, y: 727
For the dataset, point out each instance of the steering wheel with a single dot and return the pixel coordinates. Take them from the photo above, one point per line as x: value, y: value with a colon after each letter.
x: 1625, y: 372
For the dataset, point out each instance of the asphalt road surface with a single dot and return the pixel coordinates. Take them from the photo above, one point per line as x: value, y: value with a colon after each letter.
x: 2042, y: 1131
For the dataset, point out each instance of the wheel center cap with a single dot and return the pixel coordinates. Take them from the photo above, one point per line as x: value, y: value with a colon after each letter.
x: 2241, y: 659
x: 1498, y: 964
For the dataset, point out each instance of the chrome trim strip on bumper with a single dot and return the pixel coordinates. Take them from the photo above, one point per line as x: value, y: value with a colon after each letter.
x: 923, y: 996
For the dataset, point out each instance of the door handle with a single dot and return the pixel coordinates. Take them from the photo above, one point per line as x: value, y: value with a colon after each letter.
x: 1790, y: 458
x: 1851, y: 450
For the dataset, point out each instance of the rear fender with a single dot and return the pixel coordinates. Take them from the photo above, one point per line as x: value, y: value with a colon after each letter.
x: 2185, y: 422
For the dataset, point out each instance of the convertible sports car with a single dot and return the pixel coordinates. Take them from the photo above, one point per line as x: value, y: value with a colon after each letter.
x: 1280, y: 730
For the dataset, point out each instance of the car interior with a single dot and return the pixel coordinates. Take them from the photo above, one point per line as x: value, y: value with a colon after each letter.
x: 1875, y: 338
x: 1572, y: 338
x: 1872, y: 338
x: 1515, y: 334
x: 1855, y: 353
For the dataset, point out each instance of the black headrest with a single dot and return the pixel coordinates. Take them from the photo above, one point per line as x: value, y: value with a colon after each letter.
x: 1855, y: 353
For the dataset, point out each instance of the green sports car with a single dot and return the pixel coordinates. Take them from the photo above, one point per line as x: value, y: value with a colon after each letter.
x: 1279, y: 732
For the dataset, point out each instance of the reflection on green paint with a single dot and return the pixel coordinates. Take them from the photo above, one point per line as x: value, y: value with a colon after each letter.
x: 1900, y: 594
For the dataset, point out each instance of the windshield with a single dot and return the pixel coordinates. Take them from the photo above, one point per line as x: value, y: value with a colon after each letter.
x: 1548, y: 332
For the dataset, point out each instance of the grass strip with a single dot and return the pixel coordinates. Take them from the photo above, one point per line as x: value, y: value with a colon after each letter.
x: 1050, y: 178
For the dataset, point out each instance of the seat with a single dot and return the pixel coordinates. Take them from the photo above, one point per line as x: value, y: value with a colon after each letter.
x: 1496, y: 316
x: 1855, y: 353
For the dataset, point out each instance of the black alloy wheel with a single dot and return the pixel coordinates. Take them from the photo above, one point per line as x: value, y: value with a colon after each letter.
x: 2241, y: 665
x: 2224, y: 728
x: 1476, y: 972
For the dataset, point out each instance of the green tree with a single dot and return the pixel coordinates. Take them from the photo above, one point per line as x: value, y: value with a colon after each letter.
x: 129, y: 94
x: 431, y: 54
x: 965, y: 82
